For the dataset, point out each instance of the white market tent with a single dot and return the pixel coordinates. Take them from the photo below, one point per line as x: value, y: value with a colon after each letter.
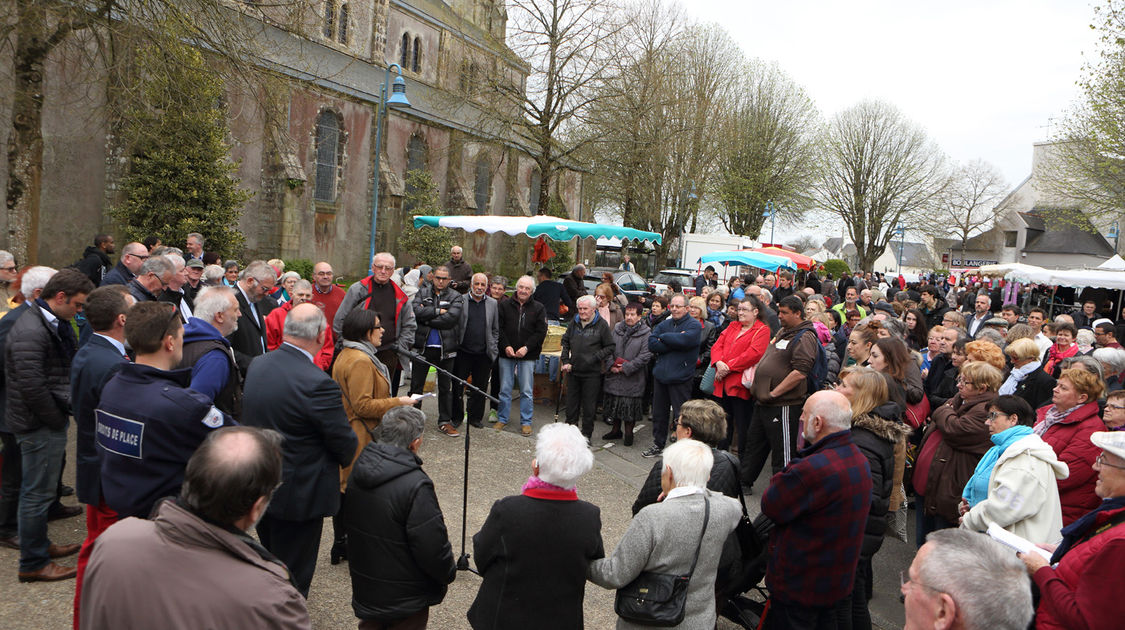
x: 1115, y: 263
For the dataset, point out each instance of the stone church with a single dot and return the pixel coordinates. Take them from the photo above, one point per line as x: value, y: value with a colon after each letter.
x: 305, y: 139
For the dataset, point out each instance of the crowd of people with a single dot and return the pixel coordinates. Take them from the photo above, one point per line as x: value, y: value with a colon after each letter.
x: 214, y: 399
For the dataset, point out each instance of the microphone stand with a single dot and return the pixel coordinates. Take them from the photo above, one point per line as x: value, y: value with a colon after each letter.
x: 463, y: 560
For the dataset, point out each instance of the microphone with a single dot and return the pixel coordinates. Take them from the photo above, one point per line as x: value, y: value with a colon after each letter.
x: 411, y: 354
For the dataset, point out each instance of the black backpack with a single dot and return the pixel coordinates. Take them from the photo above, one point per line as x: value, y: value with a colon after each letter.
x: 819, y: 372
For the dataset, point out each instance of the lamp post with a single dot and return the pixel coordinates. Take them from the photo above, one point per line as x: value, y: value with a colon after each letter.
x: 397, y: 100
x: 769, y: 215
x: 900, y: 231
x: 1115, y: 234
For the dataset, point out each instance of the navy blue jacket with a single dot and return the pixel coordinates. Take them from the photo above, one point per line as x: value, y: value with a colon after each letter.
x: 148, y: 425
x: 209, y: 374
x: 120, y: 274
x: 6, y: 324
x: 93, y: 366
x: 286, y: 392
x: 675, y: 342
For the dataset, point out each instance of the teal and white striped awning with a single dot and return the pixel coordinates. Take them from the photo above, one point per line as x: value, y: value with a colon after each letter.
x: 551, y: 227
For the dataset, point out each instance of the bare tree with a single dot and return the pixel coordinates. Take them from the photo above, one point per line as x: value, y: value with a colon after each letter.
x: 880, y: 169
x: 969, y: 202
x: 768, y: 153
x: 804, y: 243
x: 565, y: 44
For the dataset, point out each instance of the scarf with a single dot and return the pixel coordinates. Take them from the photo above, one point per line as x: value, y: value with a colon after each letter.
x: 976, y: 490
x: 1017, y: 375
x: 369, y: 350
x: 1053, y: 417
x: 715, y: 316
x: 1072, y: 534
x: 536, y: 488
x: 1055, y: 356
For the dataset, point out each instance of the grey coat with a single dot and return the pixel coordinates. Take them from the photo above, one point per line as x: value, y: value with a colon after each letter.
x: 662, y: 538
x: 630, y: 344
x: 493, y: 324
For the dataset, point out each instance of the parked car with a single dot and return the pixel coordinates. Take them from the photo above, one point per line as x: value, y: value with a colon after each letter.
x: 629, y: 283
x: 685, y: 277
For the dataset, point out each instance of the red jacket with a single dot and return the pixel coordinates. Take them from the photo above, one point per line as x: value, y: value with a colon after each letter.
x: 1070, y: 439
x: 1084, y: 591
x: 275, y: 327
x: 739, y: 353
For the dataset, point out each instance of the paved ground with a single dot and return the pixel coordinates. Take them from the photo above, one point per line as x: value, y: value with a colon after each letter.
x: 499, y: 463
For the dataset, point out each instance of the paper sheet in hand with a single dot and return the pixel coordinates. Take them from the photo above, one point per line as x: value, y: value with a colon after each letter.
x: 421, y: 396
x: 1019, y: 543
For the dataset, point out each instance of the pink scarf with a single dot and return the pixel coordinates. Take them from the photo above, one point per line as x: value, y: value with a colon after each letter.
x: 1054, y: 356
x: 536, y: 488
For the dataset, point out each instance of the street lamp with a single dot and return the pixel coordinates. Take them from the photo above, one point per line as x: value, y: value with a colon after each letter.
x: 769, y: 215
x: 900, y: 232
x: 396, y: 100
x: 1115, y: 234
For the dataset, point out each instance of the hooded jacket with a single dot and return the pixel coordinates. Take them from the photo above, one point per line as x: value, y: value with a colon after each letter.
x: 586, y: 346
x: 1023, y: 492
x: 399, y: 555
x: 95, y: 264
x: 214, y: 371
x: 960, y: 439
x: 233, y: 581
x: 877, y: 438
x: 783, y: 355
x: 630, y: 343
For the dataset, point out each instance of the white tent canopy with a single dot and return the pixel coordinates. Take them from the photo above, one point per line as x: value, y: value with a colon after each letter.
x: 1115, y: 263
x: 1077, y: 278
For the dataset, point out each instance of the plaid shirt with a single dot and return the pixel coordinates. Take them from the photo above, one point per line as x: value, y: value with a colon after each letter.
x: 819, y: 504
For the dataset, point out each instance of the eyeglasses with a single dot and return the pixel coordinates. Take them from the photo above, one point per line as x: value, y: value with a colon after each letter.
x: 1117, y: 407
x: 904, y: 579
x: 996, y: 414
x: 441, y: 278
x: 172, y: 319
x: 145, y: 257
x: 1100, y: 461
x: 163, y: 284
x: 383, y: 267
x: 377, y: 327
x: 12, y: 268
x: 961, y: 381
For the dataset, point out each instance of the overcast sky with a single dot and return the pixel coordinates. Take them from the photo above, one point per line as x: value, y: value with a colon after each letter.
x: 983, y: 77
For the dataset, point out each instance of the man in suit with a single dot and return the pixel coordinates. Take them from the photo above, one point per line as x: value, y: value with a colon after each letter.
x: 133, y: 256
x: 983, y: 313
x: 289, y: 394
x: 249, y: 339
x: 93, y: 365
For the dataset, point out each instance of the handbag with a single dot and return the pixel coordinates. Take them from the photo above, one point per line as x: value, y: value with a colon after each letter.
x: 748, y: 373
x: 707, y: 385
x: 659, y: 599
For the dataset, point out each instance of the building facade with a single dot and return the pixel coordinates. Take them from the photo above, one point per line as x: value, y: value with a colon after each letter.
x: 304, y: 137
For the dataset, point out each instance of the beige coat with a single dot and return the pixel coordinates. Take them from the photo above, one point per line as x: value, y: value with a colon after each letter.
x: 367, y: 396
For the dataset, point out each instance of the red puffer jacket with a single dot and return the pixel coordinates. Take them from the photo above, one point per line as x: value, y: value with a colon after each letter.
x: 1070, y: 439
x: 1084, y: 591
x: 739, y: 353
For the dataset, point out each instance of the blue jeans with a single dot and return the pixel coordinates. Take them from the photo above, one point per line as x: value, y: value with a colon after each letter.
x: 42, y: 452
x: 524, y: 371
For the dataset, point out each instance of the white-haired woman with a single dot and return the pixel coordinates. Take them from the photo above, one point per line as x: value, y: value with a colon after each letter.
x: 534, y: 547
x: 285, y: 284
x: 1113, y: 367
x: 663, y: 537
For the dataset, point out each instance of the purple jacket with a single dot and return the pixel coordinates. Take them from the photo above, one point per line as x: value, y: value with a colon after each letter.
x: 819, y: 504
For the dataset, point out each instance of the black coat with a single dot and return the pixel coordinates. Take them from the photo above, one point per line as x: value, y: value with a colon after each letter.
x: 586, y: 348
x: 92, y: 368
x: 94, y: 264
x: 286, y: 392
x: 533, y: 554
x: 120, y: 274
x: 37, y: 374
x: 876, y: 436
x: 426, y: 313
x: 6, y: 324
x: 724, y: 478
x: 249, y: 339
x: 522, y: 325
x: 1036, y: 388
x: 398, y: 548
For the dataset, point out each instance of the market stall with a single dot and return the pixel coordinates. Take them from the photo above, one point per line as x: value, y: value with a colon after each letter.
x: 749, y: 258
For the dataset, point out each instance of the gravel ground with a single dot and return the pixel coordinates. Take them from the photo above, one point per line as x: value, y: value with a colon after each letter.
x: 499, y: 463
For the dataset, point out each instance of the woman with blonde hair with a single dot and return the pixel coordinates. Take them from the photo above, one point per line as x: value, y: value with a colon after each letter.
x: 882, y: 441
x: 697, y: 308
x: 1027, y: 378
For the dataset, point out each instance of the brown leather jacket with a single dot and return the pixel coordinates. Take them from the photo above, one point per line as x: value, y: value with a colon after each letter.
x: 965, y: 439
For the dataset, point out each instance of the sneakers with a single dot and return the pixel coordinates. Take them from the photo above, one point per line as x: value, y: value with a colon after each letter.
x: 526, y: 430
x: 449, y: 430
x: 492, y: 415
x: 652, y: 451
x: 499, y: 426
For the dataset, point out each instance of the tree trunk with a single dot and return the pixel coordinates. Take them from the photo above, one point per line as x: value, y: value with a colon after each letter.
x: 546, y: 175
x: 25, y: 142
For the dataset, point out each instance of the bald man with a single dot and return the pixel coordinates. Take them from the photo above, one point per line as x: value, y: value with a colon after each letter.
x: 460, y: 272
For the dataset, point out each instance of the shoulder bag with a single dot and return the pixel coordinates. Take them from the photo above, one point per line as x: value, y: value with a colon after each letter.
x: 659, y: 599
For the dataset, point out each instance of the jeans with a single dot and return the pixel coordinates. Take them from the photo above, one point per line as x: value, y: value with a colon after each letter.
x: 524, y: 371
x: 667, y: 396
x: 582, y: 394
x: 10, y: 479
x: 42, y: 452
x: 444, y: 391
x: 479, y: 366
